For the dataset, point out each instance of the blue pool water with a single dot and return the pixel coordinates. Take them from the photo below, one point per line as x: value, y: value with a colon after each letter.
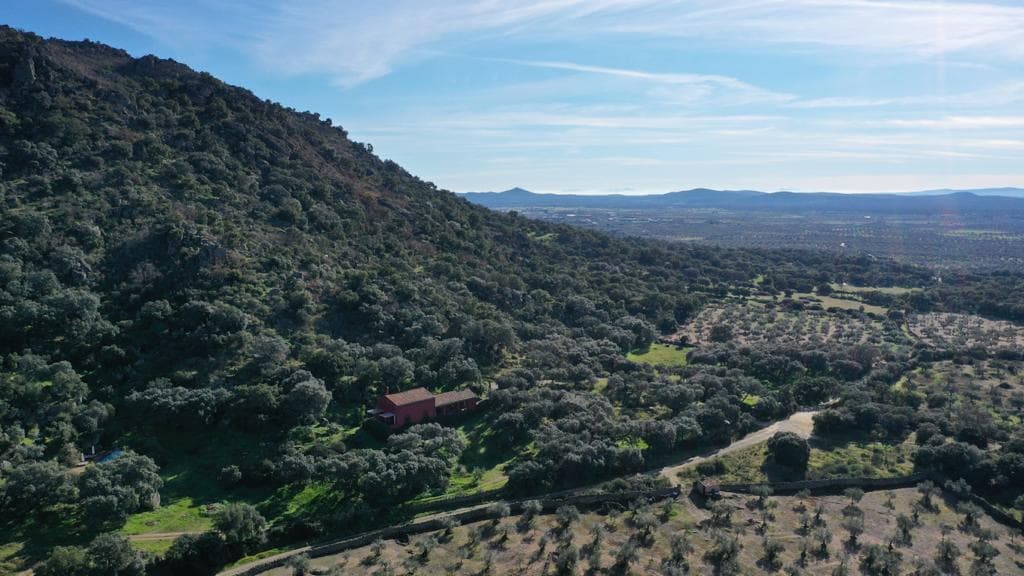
x: 112, y: 456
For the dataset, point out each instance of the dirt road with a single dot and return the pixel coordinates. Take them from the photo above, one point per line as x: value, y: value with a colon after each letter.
x: 800, y: 423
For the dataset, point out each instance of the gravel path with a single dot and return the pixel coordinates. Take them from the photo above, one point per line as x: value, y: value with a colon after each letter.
x: 801, y: 423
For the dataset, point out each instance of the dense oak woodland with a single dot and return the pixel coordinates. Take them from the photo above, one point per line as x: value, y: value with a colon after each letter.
x: 181, y: 261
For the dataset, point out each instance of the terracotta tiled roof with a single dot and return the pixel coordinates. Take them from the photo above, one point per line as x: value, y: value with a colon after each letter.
x: 446, y: 398
x: 409, y: 396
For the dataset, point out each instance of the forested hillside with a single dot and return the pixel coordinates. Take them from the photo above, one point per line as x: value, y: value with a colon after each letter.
x: 221, y: 286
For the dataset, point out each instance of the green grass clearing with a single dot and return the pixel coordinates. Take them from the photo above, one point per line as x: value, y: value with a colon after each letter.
x: 841, y: 303
x: 660, y: 355
x: 183, y: 515
x: 631, y: 442
x: 892, y: 290
x: 9, y: 557
x: 155, y: 547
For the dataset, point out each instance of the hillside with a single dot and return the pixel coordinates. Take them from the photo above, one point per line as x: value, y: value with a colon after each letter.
x: 218, y: 287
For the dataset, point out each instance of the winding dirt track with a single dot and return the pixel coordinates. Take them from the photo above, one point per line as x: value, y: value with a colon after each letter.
x: 800, y: 423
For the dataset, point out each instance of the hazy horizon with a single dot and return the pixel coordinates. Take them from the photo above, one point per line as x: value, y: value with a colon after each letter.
x: 660, y: 192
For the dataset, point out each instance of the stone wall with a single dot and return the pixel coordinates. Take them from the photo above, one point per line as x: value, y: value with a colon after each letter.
x: 829, y: 484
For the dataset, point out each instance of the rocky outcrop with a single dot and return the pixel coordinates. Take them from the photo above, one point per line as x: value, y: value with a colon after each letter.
x: 25, y: 72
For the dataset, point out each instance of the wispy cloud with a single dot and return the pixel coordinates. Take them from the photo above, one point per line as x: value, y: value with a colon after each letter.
x: 179, y: 24
x: 960, y: 122
x: 595, y: 118
x: 700, y: 86
x: 906, y: 27
x: 658, y: 77
x: 1000, y: 95
x: 356, y: 42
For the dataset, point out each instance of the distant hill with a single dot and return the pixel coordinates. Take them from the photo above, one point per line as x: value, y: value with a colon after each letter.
x: 981, y: 200
x: 1007, y: 192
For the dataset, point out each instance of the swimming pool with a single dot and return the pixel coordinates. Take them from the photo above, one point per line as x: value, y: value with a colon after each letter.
x: 114, y: 455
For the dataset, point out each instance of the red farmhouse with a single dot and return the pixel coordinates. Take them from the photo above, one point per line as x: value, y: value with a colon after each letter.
x: 416, y: 405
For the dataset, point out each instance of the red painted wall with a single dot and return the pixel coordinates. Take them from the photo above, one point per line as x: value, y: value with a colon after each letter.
x: 409, y: 413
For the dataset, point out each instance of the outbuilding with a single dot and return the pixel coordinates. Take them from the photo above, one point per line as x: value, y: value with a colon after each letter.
x: 707, y: 488
x: 455, y: 402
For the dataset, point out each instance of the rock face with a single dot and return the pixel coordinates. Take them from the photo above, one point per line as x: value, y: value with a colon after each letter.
x: 25, y: 72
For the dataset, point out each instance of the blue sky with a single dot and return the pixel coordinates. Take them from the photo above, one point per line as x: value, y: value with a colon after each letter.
x: 617, y: 95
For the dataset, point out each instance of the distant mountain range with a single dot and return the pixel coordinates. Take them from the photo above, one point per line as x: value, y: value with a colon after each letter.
x: 990, y: 199
x: 1008, y: 192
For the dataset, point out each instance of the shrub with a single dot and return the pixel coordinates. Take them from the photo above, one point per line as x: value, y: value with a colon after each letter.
x: 790, y: 450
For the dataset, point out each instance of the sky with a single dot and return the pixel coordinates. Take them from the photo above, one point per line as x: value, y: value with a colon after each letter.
x: 623, y: 96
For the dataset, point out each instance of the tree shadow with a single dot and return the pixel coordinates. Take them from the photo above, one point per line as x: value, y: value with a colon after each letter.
x: 484, y: 450
x: 60, y: 525
x: 778, y: 473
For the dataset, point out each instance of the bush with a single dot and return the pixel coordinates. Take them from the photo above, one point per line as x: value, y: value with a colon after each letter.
x: 715, y: 467
x: 720, y: 333
x: 65, y: 561
x: 196, y: 554
x: 300, y: 565
x: 926, y: 432
x: 230, y: 476
x: 376, y: 429
x: 243, y: 527
x: 788, y: 449
x: 109, y: 553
